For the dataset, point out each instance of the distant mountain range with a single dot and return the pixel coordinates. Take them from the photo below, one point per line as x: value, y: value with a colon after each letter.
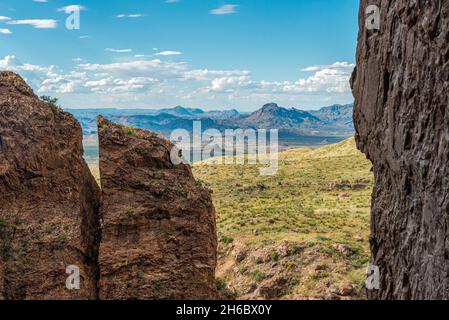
x: 298, y: 127
x: 335, y: 119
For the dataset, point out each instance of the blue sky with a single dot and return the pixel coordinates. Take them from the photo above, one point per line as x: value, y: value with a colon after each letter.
x: 200, y: 53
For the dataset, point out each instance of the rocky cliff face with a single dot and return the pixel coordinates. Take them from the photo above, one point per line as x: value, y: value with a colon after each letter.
x: 159, y: 237
x: 49, y: 201
x: 401, y: 87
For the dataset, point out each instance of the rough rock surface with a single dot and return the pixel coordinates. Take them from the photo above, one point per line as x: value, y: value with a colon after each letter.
x: 49, y: 201
x: 159, y: 234
x: 401, y: 86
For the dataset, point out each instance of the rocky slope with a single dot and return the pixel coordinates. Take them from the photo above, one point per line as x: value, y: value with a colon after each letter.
x: 401, y: 115
x: 48, y: 199
x: 159, y: 235
x: 271, y: 116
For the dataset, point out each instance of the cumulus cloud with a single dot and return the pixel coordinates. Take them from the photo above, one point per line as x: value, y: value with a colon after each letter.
x: 225, y: 9
x: 11, y: 63
x: 140, y: 81
x: 118, y: 85
x: 138, y: 68
x: 206, y: 74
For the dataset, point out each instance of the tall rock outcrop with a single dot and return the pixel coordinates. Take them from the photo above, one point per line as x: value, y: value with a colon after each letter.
x: 49, y: 201
x: 159, y: 235
x: 401, y: 86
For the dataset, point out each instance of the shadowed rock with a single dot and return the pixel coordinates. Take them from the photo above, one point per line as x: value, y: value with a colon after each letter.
x: 401, y: 87
x: 49, y: 201
x: 159, y: 234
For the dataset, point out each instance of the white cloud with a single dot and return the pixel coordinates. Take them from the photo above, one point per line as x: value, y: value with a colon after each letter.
x: 36, y: 23
x: 168, y: 53
x: 3, y: 18
x: 118, y: 85
x: 5, y: 31
x: 59, y: 82
x: 230, y: 84
x: 118, y: 50
x: 134, y: 15
x: 41, y: 1
x: 11, y: 63
x: 225, y: 9
x: 326, y: 79
x: 154, y: 68
x: 73, y: 7
x: 143, y: 83
x: 337, y: 65
x: 206, y: 74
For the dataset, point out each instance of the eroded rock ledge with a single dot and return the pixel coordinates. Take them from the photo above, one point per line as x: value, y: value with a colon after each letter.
x: 401, y: 87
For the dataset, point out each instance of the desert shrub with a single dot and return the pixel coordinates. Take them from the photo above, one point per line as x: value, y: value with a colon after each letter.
x: 53, y: 102
x: 227, y: 240
x: 274, y: 256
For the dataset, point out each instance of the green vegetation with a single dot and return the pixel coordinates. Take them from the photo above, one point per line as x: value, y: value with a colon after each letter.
x: 227, y: 240
x: 130, y: 131
x: 53, y: 102
x: 309, y: 223
x: 319, y: 202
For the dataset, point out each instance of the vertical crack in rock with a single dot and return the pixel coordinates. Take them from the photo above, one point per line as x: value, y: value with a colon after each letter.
x: 49, y: 201
x: 401, y: 87
x: 159, y: 234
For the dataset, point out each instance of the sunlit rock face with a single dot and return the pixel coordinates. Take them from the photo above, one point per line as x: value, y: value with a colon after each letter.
x: 159, y: 235
x: 49, y: 201
x: 401, y: 88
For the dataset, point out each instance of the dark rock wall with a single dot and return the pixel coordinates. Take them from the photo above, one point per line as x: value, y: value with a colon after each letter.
x: 159, y: 235
x: 401, y: 87
x: 49, y: 201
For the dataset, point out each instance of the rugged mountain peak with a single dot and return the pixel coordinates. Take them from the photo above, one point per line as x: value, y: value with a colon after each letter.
x: 159, y: 235
x: 49, y: 201
x: 269, y: 107
x: 401, y: 87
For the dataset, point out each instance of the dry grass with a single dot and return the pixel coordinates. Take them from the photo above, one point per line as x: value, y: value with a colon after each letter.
x: 319, y: 200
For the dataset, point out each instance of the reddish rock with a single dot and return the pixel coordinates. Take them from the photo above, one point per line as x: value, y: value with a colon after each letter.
x: 159, y: 235
x: 401, y: 87
x: 48, y: 199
